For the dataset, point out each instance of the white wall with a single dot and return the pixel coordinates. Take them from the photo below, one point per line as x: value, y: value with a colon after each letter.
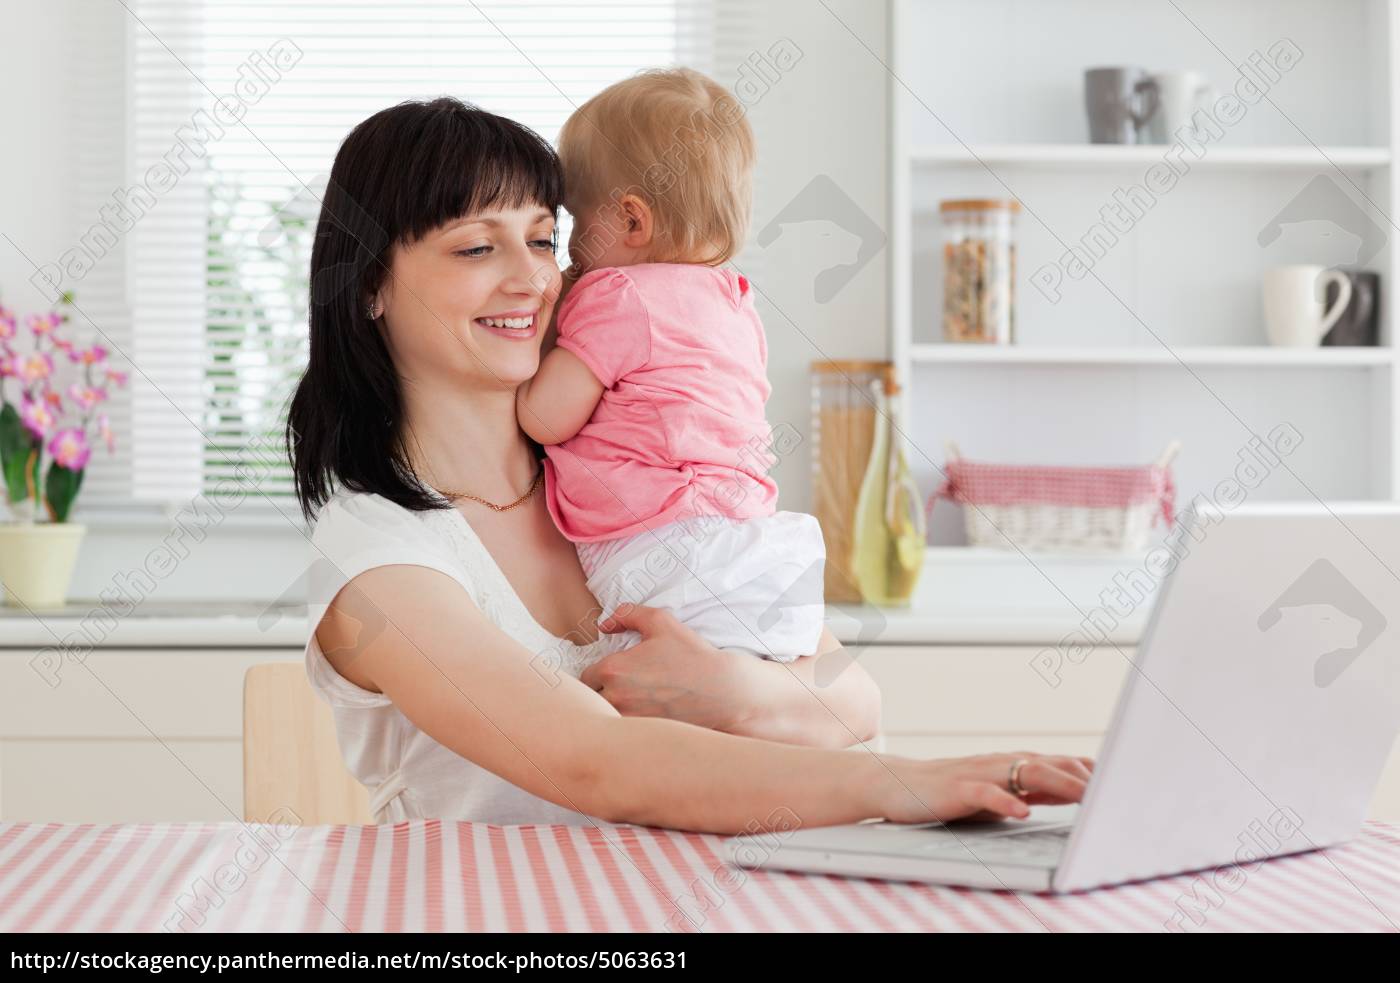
x: 50, y: 44
x: 826, y: 116
x: 37, y: 182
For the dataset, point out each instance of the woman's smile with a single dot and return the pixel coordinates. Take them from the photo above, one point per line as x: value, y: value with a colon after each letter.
x: 517, y: 325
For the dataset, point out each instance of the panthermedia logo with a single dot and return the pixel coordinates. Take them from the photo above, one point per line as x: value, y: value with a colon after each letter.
x: 1324, y: 606
x: 835, y: 231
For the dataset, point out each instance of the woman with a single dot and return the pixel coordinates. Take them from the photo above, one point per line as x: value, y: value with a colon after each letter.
x: 454, y: 636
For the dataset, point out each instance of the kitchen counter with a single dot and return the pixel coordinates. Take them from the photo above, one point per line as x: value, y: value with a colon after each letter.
x: 180, y: 624
x: 248, y: 625
x: 953, y: 625
x: 964, y: 597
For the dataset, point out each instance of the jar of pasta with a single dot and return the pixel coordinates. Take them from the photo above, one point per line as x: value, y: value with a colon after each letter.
x: 979, y: 270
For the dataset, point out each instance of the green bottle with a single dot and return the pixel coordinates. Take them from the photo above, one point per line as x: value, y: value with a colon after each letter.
x: 890, y: 533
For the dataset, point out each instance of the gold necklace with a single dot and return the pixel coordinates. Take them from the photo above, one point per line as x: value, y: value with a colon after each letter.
x: 529, y: 493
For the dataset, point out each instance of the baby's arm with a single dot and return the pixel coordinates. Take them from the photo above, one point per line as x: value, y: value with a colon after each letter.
x: 557, y: 402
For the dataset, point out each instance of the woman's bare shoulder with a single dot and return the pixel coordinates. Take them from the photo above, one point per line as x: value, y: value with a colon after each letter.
x: 380, y: 607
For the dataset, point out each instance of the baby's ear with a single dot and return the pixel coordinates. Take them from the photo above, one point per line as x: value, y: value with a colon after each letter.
x: 641, y: 223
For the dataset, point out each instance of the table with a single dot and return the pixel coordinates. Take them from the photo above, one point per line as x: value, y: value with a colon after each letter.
x: 432, y: 875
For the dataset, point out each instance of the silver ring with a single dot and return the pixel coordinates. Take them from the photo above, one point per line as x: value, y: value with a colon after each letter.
x: 1013, y: 781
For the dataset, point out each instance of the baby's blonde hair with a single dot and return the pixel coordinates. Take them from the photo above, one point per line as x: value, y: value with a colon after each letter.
x: 679, y: 141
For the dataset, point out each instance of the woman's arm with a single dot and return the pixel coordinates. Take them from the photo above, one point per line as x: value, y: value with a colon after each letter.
x: 822, y: 700
x: 412, y: 634
x: 825, y: 700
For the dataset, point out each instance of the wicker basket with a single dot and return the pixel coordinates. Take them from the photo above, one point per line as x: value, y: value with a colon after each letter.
x: 1060, y: 509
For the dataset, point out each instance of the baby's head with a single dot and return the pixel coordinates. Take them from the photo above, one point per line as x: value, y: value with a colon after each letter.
x: 658, y: 169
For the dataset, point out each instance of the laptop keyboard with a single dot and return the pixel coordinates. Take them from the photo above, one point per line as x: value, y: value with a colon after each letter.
x: 1034, y: 845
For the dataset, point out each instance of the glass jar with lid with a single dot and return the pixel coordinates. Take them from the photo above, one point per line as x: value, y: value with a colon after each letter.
x: 979, y: 270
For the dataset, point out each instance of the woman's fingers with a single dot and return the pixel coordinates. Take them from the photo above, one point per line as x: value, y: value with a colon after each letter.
x: 592, y: 675
x: 636, y: 617
x: 1072, y: 764
x: 1047, y: 779
x: 993, y: 798
x: 1044, y: 778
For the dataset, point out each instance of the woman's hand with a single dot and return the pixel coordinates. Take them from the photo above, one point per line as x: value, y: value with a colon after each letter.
x: 979, y: 788
x: 824, y: 700
x: 672, y: 672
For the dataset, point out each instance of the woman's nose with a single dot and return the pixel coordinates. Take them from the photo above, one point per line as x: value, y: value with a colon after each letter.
x: 533, y: 277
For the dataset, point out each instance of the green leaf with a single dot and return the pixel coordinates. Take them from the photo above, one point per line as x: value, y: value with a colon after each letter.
x: 16, y: 454
x: 60, y: 489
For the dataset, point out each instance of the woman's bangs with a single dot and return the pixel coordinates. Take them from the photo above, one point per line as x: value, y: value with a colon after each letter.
x: 472, y: 162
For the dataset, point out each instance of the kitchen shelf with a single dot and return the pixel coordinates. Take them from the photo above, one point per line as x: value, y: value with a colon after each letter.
x: 1216, y: 157
x: 1294, y: 180
x: 976, y: 354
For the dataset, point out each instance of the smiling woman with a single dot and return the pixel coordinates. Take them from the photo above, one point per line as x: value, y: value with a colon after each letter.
x: 453, y: 634
x: 445, y: 215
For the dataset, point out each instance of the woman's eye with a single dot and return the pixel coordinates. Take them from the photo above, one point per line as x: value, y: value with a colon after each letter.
x: 549, y: 245
x: 474, y: 251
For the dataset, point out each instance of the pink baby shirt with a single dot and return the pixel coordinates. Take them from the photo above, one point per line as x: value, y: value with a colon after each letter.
x: 680, y: 429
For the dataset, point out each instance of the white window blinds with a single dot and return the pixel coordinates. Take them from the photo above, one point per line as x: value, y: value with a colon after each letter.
x: 215, y: 287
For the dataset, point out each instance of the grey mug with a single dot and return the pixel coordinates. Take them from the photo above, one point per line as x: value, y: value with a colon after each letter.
x: 1360, y: 321
x: 1119, y: 101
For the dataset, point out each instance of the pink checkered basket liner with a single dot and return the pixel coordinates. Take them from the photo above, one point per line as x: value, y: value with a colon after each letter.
x: 1074, y: 509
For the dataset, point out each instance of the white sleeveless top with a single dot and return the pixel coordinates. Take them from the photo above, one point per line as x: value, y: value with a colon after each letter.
x: 409, y: 775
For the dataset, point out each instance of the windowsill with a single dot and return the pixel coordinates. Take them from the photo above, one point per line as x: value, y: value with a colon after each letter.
x: 251, y: 516
x: 155, y: 624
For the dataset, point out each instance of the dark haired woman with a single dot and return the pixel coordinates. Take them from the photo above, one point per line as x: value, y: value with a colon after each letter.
x: 454, y: 636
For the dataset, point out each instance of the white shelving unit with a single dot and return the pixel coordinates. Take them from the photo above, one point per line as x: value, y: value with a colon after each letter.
x: 1241, y: 355
x: 1107, y: 156
x: 1164, y: 337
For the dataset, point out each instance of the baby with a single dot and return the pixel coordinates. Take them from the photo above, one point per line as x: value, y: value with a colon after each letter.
x: 651, y: 405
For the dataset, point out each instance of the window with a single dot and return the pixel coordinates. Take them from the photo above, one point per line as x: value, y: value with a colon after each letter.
x: 224, y: 197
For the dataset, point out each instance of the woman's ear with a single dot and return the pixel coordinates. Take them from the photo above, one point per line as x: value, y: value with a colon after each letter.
x: 639, y: 222
x: 374, y: 303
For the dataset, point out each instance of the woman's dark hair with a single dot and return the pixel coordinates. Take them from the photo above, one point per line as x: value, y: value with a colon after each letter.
x: 400, y: 174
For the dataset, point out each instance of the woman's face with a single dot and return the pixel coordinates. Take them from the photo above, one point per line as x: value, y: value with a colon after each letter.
x: 468, y: 303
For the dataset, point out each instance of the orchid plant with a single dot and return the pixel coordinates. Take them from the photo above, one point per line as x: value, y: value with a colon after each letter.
x: 37, y: 427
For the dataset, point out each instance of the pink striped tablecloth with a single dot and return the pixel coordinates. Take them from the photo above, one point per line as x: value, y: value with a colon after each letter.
x: 475, y: 877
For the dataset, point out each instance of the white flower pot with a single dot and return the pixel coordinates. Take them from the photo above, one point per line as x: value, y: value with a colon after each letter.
x: 37, y: 561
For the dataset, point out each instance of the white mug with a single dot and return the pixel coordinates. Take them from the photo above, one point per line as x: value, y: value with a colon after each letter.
x: 1179, y: 95
x: 1293, y: 304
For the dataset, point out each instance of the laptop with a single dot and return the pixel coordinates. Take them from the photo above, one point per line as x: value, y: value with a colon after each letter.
x: 1260, y: 708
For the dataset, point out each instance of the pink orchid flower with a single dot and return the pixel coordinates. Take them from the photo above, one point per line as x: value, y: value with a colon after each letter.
x: 37, y: 418
x: 116, y: 378
x: 7, y: 324
x: 86, y: 396
x: 54, y: 399
x: 69, y: 448
x: 63, y: 344
x: 93, y: 355
x: 8, y: 366
x: 42, y: 324
x: 35, y: 366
